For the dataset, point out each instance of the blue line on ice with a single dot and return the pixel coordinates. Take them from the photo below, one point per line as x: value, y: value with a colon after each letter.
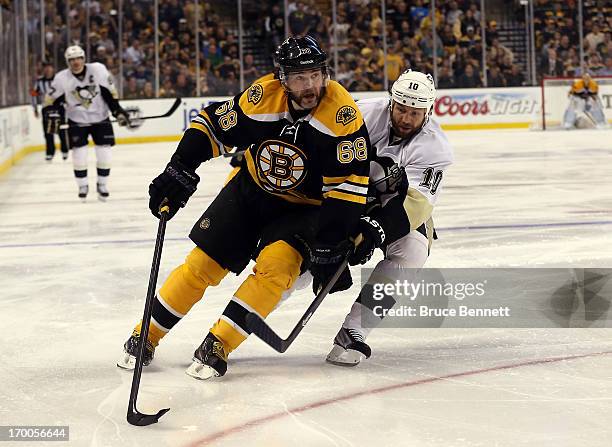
x: 462, y: 228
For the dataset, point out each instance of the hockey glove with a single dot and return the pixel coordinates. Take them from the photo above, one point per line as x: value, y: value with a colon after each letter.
x: 373, y: 237
x: 123, y: 118
x: 173, y: 187
x: 324, y: 263
x: 53, y: 119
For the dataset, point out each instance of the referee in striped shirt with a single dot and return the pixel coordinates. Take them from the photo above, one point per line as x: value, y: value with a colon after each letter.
x: 52, y: 116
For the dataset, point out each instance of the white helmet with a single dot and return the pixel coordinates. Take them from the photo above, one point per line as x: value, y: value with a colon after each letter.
x: 74, y: 52
x: 414, y: 89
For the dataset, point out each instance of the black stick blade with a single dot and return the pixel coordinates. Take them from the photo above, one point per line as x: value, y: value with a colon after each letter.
x: 265, y: 333
x: 140, y: 419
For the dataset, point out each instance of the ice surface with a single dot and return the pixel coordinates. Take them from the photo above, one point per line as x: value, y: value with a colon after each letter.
x: 74, y: 277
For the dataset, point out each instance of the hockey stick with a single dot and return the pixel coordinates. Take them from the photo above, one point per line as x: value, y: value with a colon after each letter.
x: 271, y: 338
x: 171, y: 110
x: 134, y: 416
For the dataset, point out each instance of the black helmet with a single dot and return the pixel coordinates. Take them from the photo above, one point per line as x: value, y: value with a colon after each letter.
x: 300, y: 53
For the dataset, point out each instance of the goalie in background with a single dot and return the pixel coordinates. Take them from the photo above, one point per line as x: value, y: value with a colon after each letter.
x: 585, y: 108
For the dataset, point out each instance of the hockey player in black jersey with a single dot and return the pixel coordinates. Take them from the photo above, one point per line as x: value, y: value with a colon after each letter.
x: 299, y: 193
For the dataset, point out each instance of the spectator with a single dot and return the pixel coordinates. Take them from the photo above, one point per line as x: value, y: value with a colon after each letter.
x: 551, y: 66
x: 445, y: 78
x: 250, y: 72
x: 359, y: 83
x: 595, y: 64
x: 607, y: 71
x: 468, y: 21
x: 275, y: 26
x: 183, y: 86
x: 594, y: 38
x: 106, y: 41
x: 492, y: 33
x: 417, y: 13
x: 395, y: 62
x: 469, y: 79
x: 453, y: 14
x: 131, y: 90
x: 564, y: 47
x: 147, y: 90
x: 167, y: 90
x: 515, y: 78
x: 134, y: 55
x: 495, y: 78
x: 298, y: 21
x: 226, y: 67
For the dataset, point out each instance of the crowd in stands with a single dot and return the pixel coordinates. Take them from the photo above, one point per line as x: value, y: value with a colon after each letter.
x: 357, y: 37
x: 558, y: 42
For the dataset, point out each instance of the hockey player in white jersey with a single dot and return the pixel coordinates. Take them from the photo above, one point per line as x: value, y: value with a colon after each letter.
x: 88, y: 94
x: 412, y: 155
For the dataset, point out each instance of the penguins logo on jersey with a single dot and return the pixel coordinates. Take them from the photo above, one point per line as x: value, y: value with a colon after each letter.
x: 280, y: 166
x: 345, y: 115
x: 85, y: 95
x: 255, y: 94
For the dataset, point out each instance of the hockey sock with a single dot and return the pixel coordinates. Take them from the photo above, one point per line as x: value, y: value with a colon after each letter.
x: 275, y: 271
x: 79, y: 163
x: 183, y: 288
x: 103, y: 163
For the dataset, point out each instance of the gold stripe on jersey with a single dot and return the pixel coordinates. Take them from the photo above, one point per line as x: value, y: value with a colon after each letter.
x: 202, y: 123
x: 335, y: 194
x: 418, y: 209
x: 290, y: 196
x: 337, y: 114
x: 355, y: 179
x: 213, y: 143
x: 266, y: 101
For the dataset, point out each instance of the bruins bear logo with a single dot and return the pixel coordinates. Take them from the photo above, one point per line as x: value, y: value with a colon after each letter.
x: 345, y: 115
x: 281, y: 166
x: 255, y: 94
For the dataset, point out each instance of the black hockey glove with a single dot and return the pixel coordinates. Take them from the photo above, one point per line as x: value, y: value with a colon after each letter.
x: 173, y: 187
x: 123, y: 118
x: 324, y: 263
x: 373, y: 237
x: 53, y: 119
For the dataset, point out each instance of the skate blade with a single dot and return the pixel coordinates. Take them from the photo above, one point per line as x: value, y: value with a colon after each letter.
x: 344, y: 357
x: 200, y: 371
x: 127, y: 361
x: 102, y: 199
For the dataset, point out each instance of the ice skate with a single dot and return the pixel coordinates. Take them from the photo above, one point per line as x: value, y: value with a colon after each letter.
x: 130, y: 352
x: 102, y: 192
x: 48, y: 158
x: 209, y: 360
x: 64, y: 156
x: 349, y: 348
x: 83, y: 190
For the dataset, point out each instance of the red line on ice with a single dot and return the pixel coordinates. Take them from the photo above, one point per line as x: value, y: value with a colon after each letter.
x: 322, y: 403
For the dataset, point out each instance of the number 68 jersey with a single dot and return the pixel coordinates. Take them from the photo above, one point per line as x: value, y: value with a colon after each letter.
x: 317, y: 157
x: 425, y: 158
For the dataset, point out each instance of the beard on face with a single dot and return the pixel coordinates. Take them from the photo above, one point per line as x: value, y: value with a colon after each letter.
x: 309, y: 98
